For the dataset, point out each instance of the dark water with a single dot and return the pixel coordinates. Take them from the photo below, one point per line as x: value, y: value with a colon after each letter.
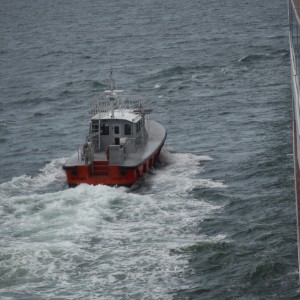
x: 216, y: 218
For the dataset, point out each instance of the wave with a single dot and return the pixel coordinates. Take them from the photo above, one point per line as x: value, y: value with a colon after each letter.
x: 48, y: 176
x: 264, y: 56
x: 180, y: 174
x: 33, y: 101
x: 282, y: 52
x: 254, y: 57
x: 97, y: 232
x: 266, y: 269
x: 107, y: 237
x: 168, y: 74
x: 39, y: 115
x: 98, y: 84
x: 58, y: 53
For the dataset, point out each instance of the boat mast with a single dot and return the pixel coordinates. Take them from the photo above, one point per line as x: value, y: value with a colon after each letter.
x: 111, y: 96
x: 112, y: 93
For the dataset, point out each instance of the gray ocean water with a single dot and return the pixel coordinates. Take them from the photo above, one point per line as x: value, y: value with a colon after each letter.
x: 215, y: 218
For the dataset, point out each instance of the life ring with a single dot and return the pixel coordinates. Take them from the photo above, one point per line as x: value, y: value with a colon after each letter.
x: 107, y: 153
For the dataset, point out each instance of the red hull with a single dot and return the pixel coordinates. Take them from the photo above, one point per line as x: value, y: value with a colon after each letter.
x: 99, y: 172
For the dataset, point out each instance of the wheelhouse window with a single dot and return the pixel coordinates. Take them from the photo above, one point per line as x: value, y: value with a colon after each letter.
x: 105, y: 129
x: 95, y: 126
x: 127, y: 129
x: 117, y: 129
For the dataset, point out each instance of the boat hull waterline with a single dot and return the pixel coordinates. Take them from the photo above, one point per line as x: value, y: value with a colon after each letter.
x: 115, y: 175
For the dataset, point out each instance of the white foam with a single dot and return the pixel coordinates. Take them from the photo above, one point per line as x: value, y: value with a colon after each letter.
x: 104, y: 239
x: 50, y: 174
x: 181, y: 174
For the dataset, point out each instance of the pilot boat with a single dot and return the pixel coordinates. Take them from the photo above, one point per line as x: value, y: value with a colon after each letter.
x: 121, y: 146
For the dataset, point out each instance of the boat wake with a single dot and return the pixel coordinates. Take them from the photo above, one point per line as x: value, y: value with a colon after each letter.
x: 108, y: 238
x: 177, y: 174
x: 51, y: 176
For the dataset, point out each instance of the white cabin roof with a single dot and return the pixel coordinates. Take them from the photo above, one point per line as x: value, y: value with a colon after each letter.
x: 119, y: 114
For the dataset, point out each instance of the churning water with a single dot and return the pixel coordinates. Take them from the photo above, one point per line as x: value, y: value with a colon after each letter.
x: 215, y: 218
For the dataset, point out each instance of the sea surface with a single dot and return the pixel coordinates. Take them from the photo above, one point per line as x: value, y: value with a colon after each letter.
x: 215, y: 218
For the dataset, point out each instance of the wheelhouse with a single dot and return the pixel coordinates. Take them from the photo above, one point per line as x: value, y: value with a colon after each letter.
x: 125, y: 127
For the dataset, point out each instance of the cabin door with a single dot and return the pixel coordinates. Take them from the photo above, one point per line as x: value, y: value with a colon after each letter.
x: 117, y: 135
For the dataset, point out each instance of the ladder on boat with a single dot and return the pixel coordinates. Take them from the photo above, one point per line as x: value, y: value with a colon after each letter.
x: 100, y: 168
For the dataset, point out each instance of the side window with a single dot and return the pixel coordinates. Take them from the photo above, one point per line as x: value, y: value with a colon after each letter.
x: 127, y: 129
x: 104, y: 129
x: 117, y: 130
